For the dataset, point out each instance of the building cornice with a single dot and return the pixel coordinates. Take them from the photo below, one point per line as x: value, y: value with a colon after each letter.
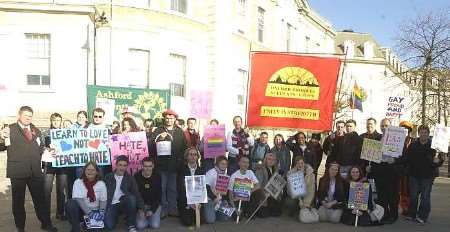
x: 48, y: 8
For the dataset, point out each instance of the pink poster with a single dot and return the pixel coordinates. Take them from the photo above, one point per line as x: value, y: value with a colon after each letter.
x: 133, y: 145
x: 200, y: 104
x: 214, y: 141
x: 222, y: 184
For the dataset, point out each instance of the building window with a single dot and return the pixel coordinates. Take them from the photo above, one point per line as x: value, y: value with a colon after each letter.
x: 139, y: 65
x: 38, y: 59
x: 288, y: 37
x: 178, y: 77
x: 261, y: 12
x: 179, y: 5
x: 241, y: 86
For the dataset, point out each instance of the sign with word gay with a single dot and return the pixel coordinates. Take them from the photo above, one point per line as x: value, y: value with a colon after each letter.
x: 222, y: 183
x: 393, y: 141
x: 396, y: 106
x: 214, y: 141
x: 242, y: 188
x: 133, y: 145
x: 358, y: 196
x: 372, y: 150
x: 76, y: 147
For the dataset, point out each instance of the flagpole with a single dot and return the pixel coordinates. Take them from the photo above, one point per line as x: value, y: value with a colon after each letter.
x: 344, y: 64
x: 248, y: 81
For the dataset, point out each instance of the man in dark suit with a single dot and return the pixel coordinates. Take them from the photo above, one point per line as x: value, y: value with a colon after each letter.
x: 24, y: 168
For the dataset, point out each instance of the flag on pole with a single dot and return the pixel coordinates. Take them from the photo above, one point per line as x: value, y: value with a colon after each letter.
x: 357, y: 98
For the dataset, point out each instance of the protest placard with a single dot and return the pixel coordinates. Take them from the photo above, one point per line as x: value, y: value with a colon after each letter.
x: 201, y: 104
x: 214, y: 141
x: 94, y: 220
x: 275, y: 185
x: 222, y: 183
x: 296, y: 184
x: 133, y: 145
x: 358, y: 196
x: 242, y: 188
x: 195, y: 189
x: 393, y: 141
x: 441, y: 137
x: 76, y: 147
x: 396, y: 106
x: 372, y: 150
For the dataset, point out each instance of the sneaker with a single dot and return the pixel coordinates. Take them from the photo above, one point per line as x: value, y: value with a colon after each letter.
x: 409, y: 218
x: 420, y: 221
x: 132, y: 229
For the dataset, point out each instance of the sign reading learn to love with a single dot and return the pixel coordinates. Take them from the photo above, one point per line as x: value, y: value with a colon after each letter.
x: 76, y: 147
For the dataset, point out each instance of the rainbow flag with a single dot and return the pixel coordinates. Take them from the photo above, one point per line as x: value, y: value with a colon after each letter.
x: 215, y: 142
x: 357, y: 98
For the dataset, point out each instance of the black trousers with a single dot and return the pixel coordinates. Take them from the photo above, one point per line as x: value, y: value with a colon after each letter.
x: 36, y: 188
x: 387, y: 184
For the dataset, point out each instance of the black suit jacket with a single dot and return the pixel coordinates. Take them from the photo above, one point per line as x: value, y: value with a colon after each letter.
x: 24, y: 157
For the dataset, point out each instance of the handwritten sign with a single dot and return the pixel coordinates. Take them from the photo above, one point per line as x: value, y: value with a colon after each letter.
x: 396, y: 106
x: 222, y: 183
x: 76, y: 147
x: 200, y: 104
x: 275, y: 185
x: 441, y: 138
x: 195, y: 189
x: 242, y: 189
x: 214, y: 141
x: 133, y: 145
x: 296, y: 184
x: 372, y: 150
x: 358, y: 196
x: 393, y: 141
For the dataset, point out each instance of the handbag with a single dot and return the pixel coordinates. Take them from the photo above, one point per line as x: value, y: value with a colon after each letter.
x: 308, y: 215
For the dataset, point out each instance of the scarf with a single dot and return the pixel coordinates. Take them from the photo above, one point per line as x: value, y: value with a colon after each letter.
x: 90, y: 189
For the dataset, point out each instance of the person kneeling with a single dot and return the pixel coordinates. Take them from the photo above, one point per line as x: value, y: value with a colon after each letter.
x: 331, y: 195
x: 89, y: 197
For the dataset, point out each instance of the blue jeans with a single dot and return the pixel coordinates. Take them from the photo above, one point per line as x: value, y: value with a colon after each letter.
x: 127, y: 206
x: 420, y: 186
x: 168, y: 192
x: 61, y: 189
x: 74, y: 213
x: 211, y: 215
x: 153, y: 221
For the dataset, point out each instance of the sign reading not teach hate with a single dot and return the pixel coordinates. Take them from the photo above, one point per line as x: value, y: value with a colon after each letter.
x: 76, y: 147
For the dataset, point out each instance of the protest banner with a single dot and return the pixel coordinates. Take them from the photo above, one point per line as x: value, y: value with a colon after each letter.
x: 275, y: 185
x: 292, y: 91
x: 146, y: 103
x: 441, y: 138
x: 195, y: 189
x: 242, y: 188
x: 358, y: 196
x: 133, y: 145
x: 214, y: 141
x: 395, y: 106
x: 372, y: 150
x: 201, y: 104
x: 296, y: 185
x: 393, y: 141
x: 222, y: 183
x: 76, y: 147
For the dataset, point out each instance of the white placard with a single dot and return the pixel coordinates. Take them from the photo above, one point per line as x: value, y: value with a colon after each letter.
x: 296, y: 185
x: 275, y: 185
x: 393, y: 141
x: 441, y: 138
x: 195, y: 189
x: 164, y: 148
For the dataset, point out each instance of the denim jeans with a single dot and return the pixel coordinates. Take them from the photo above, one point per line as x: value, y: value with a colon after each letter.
x: 211, y: 215
x: 127, y: 206
x: 153, y: 221
x: 420, y: 186
x: 74, y: 213
x: 61, y: 190
x: 168, y: 192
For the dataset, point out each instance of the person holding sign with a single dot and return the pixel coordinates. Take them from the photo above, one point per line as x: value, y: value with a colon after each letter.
x: 239, y: 142
x: 89, y: 196
x: 23, y: 168
x: 149, y: 184
x: 191, y: 168
x: 302, y: 190
x: 373, y: 134
x: 331, y: 195
x: 243, y: 183
x: 168, y: 145
x: 349, y: 215
x: 217, y: 181
x: 207, y: 163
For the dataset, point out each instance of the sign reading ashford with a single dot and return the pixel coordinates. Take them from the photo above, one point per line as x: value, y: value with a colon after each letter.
x: 292, y: 91
x: 142, y: 103
x: 76, y: 147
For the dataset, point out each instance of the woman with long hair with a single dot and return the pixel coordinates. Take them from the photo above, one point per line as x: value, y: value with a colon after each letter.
x: 331, y: 194
x: 282, y: 152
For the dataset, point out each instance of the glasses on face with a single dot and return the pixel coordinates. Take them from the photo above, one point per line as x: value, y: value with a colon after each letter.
x: 192, y: 153
x: 148, y: 166
x: 98, y: 116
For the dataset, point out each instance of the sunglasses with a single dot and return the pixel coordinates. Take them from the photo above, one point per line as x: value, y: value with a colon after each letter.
x: 98, y: 116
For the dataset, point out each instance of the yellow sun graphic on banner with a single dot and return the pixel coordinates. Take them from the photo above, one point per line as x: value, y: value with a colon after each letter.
x: 293, y: 82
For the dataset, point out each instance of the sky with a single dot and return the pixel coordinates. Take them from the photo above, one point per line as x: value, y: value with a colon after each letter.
x: 381, y: 18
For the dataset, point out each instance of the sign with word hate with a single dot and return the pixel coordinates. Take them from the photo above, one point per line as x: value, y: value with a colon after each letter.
x: 133, y: 145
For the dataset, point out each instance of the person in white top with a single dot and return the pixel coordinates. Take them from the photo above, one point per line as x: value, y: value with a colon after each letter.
x: 88, y: 196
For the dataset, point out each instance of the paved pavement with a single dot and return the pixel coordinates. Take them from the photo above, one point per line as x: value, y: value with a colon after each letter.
x: 439, y: 219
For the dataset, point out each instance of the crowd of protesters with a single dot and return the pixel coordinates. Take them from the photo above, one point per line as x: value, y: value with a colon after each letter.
x: 157, y: 190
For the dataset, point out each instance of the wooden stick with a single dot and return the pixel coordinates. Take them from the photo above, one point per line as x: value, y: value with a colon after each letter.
x: 356, y: 219
x: 256, y: 210
x: 239, y: 212
x: 197, y: 216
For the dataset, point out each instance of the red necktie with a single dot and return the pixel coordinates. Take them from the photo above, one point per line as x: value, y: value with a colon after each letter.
x: 28, y: 134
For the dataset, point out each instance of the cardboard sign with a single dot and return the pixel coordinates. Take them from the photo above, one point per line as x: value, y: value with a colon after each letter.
x: 441, y: 138
x: 396, y: 106
x: 133, y: 145
x: 296, y: 185
x: 76, y: 147
x: 393, y: 141
x: 200, y: 104
x: 358, y: 196
x: 275, y: 185
x: 372, y: 150
x: 225, y: 208
x: 214, y: 141
x: 94, y: 220
x: 195, y: 189
x: 222, y: 183
x: 242, y: 189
